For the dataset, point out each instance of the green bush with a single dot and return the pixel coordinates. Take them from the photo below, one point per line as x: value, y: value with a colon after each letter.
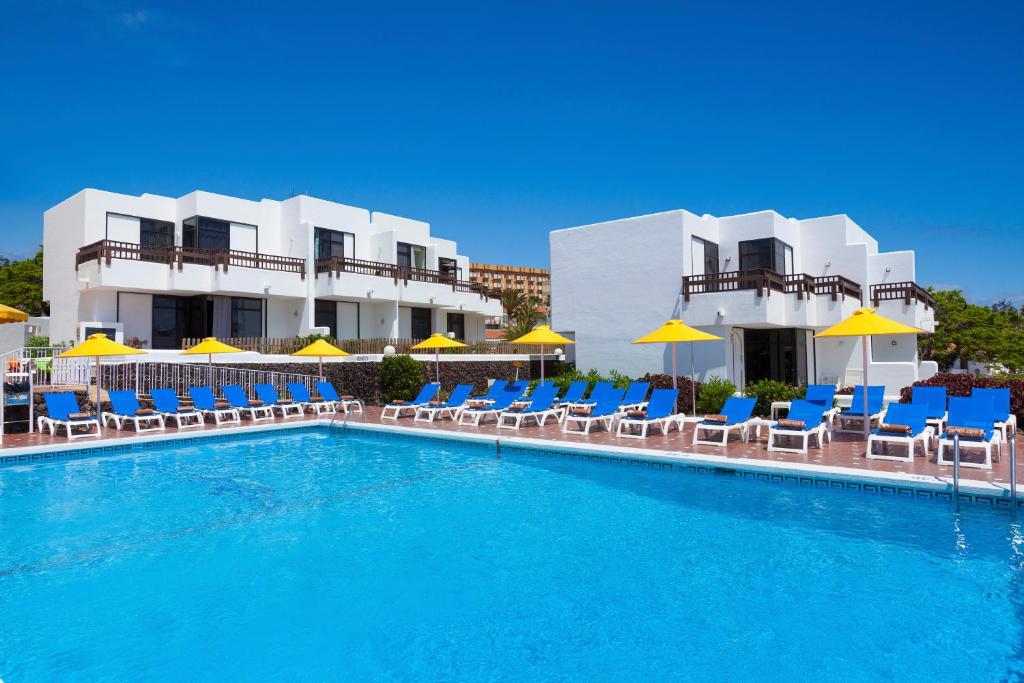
x: 591, y: 377
x: 37, y: 340
x: 400, y: 378
x: 768, y: 390
x: 712, y: 394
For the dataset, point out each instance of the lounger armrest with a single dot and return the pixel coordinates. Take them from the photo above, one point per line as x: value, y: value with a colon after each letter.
x: 791, y: 424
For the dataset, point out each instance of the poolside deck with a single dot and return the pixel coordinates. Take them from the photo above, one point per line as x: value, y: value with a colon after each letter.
x: 846, y: 451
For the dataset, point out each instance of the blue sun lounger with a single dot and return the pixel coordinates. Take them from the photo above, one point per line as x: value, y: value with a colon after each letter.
x: 287, y: 407
x: 349, y: 404
x: 457, y: 399
x: 660, y: 412
x: 905, y: 424
x: 300, y: 394
x: 803, y: 421
x: 933, y: 400
x: 972, y: 419
x: 541, y: 407
x: 426, y: 395
x: 167, y: 404
x: 204, y: 401
x: 256, y: 411
x: 583, y: 417
x: 478, y: 413
x: 734, y: 417
x: 125, y: 407
x: 63, y: 411
x: 1004, y: 420
x: 635, y: 397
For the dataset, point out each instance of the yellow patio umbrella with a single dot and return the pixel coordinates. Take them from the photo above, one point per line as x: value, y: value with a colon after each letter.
x: 96, y: 346
x: 864, y: 323
x: 673, y: 332
x: 11, y: 315
x: 542, y: 335
x: 321, y: 348
x: 208, y: 347
x: 438, y: 341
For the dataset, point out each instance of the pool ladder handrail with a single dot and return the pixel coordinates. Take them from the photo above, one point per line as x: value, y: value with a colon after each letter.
x: 344, y: 423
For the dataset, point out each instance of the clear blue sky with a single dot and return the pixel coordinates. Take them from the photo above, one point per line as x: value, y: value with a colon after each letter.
x: 498, y: 122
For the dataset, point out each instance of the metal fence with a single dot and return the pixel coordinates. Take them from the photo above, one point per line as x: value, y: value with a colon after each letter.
x: 289, y: 345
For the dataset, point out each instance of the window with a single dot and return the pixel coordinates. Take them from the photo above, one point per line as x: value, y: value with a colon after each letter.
x: 325, y: 314
x: 703, y: 257
x: 780, y: 355
x: 208, y: 234
x: 246, y: 317
x: 331, y: 243
x: 421, y: 325
x: 457, y: 325
x: 170, y: 321
x: 770, y: 253
x: 159, y: 236
x: 412, y: 256
x: 449, y: 266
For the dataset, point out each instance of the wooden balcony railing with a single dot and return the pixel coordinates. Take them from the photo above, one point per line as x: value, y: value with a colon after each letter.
x: 909, y: 292
x: 334, y: 266
x: 107, y: 250
x: 765, y: 281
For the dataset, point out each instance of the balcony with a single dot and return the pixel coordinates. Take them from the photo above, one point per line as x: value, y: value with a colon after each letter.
x: 176, y: 257
x: 908, y: 292
x: 765, y: 281
x: 334, y: 266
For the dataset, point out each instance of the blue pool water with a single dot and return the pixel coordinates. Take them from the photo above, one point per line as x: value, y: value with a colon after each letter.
x: 313, y: 556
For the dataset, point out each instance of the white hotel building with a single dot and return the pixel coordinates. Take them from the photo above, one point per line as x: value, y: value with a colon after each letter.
x: 763, y: 282
x: 162, y: 270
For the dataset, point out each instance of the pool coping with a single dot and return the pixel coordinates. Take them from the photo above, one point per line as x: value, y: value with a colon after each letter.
x: 899, y: 483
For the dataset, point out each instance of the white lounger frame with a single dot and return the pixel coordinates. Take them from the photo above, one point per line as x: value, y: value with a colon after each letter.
x: 399, y: 409
x: 970, y: 443
x: 223, y: 415
x: 287, y: 408
x: 873, y: 419
x: 53, y: 425
x: 319, y: 407
x: 662, y: 423
x: 725, y: 429
x: 429, y: 413
x: 925, y: 436
x: 257, y: 413
x: 821, y: 431
x: 586, y: 422
x: 182, y: 419
x: 137, y: 420
x: 479, y: 414
x: 519, y: 416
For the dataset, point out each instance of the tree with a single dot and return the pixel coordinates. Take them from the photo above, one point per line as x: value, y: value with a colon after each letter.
x: 522, y: 312
x: 21, y: 284
x: 970, y: 332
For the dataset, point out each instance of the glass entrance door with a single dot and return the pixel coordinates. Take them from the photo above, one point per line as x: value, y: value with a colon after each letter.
x: 778, y: 354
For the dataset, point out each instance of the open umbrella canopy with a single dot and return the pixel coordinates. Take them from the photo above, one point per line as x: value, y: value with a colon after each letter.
x: 97, y: 345
x: 675, y: 331
x: 542, y: 334
x: 11, y: 315
x: 867, y: 322
x: 208, y: 346
x: 321, y: 348
x: 438, y: 341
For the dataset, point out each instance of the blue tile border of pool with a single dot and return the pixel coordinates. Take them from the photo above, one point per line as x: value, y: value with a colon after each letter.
x: 638, y: 460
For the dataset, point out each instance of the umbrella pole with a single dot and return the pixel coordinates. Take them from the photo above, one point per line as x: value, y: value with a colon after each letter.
x: 542, y: 364
x: 98, y: 410
x: 321, y: 371
x: 437, y: 365
x: 693, y: 382
x: 675, y: 385
x: 867, y: 423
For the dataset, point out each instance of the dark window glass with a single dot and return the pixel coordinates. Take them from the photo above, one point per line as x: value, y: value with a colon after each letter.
x: 154, y: 233
x: 246, y: 317
x: 412, y: 255
x: 779, y: 355
x: 710, y: 258
x: 325, y: 314
x: 170, y: 321
x: 768, y: 252
x: 204, y: 233
x: 457, y: 325
x: 449, y: 266
x: 328, y: 243
x: 421, y: 326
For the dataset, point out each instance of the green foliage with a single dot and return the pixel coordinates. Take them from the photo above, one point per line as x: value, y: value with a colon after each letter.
x: 711, y: 395
x: 592, y: 377
x: 522, y: 313
x: 38, y: 340
x: 767, y: 390
x: 619, y: 380
x: 21, y: 284
x: 969, y: 332
x: 401, y: 377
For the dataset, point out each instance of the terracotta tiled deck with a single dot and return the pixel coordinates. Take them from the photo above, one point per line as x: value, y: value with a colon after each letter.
x: 847, y: 450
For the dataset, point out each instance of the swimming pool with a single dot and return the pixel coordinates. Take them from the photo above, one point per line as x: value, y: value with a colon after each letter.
x: 310, y: 555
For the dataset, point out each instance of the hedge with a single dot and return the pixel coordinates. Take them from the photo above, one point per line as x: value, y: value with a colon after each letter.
x: 961, y: 385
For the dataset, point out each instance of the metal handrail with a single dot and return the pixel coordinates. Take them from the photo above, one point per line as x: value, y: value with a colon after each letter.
x: 765, y: 280
x: 176, y: 256
x: 334, y: 266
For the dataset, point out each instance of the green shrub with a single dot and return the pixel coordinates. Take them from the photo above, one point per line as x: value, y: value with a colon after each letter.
x: 768, y: 390
x: 400, y: 378
x: 712, y: 394
x: 38, y: 340
x: 591, y: 377
x: 618, y: 379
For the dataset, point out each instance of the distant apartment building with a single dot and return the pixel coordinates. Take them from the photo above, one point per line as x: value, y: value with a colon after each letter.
x: 164, y: 269
x: 762, y: 282
x: 530, y: 281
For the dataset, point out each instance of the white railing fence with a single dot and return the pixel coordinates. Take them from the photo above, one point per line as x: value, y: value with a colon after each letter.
x: 139, y: 375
